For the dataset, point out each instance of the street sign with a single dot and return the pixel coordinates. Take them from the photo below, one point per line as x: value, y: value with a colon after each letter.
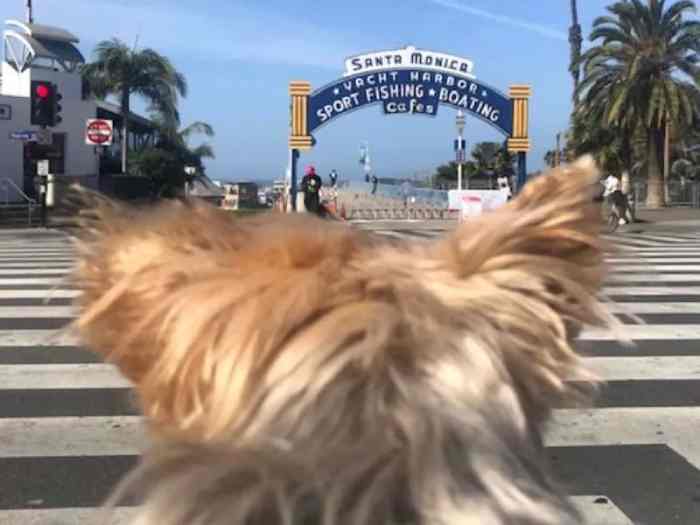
x: 22, y: 135
x: 43, y: 136
x: 42, y: 167
x: 98, y: 132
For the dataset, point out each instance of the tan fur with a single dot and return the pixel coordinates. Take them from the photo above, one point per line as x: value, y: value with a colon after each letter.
x: 310, y: 344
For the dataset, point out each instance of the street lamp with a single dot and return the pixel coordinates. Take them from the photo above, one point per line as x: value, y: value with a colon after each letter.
x: 190, y: 171
x: 459, y: 146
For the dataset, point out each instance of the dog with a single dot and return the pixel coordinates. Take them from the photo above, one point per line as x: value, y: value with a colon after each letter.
x: 299, y: 371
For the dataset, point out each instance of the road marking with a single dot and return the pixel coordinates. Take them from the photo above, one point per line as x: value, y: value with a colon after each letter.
x: 75, y: 516
x: 676, y: 427
x: 644, y: 331
x: 600, y: 513
x: 651, y: 290
x: 37, y: 338
x: 620, y: 268
x: 72, y: 436
x: 39, y: 294
x: 655, y: 277
x: 57, y: 377
x: 30, y: 281
x: 650, y: 308
x: 663, y: 368
x: 44, y: 312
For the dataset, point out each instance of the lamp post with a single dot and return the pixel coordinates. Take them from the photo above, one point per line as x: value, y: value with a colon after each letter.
x: 459, y: 146
x: 190, y: 172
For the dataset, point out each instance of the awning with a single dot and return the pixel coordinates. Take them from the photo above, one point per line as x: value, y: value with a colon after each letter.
x: 44, y: 32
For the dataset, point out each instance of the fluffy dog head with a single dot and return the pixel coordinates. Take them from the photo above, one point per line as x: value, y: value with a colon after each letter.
x: 334, y: 375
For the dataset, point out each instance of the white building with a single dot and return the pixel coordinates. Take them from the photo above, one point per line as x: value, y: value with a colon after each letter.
x: 38, y: 52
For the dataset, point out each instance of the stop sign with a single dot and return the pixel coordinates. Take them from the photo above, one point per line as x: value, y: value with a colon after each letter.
x: 98, y: 132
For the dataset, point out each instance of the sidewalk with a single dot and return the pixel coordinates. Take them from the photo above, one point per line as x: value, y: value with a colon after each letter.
x: 668, y: 214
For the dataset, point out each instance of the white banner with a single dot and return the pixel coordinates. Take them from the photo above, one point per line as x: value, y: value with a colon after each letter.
x: 490, y: 199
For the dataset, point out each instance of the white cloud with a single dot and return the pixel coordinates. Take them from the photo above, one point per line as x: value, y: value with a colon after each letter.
x: 503, y: 19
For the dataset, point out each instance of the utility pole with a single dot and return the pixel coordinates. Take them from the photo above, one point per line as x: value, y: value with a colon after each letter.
x: 30, y: 14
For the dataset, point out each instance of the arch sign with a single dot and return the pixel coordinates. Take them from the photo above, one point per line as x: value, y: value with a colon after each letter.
x: 409, y: 81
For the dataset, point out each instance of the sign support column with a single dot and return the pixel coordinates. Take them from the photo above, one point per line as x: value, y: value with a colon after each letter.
x: 460, y: 120
x: 519, y: 142
x: 43, y: 173
x: 299, y: 138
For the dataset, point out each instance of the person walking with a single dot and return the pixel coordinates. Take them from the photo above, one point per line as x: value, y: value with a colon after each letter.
x: 311, y: 187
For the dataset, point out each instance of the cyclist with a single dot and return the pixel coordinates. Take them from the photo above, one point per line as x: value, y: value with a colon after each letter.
x: 617, y: 199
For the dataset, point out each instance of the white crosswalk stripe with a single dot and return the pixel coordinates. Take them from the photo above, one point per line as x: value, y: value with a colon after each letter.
x: 66, y: 411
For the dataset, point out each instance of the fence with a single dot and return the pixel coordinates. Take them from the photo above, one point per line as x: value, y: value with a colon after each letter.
x: 680, y: 194
x: 362, y: 200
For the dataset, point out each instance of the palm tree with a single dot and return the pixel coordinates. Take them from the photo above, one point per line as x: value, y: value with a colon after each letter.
x: 575, y: 41
x: 122, y: 71
x: 174, y: 138
x: 637, y: 74
x: 485, y: 155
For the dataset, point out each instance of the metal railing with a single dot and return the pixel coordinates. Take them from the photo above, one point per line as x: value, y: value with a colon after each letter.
x: 6, y: 183
x: 679, y: 193
x: 362, y: 200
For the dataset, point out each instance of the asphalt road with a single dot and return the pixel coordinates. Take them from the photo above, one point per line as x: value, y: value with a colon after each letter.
x: 69, y: 427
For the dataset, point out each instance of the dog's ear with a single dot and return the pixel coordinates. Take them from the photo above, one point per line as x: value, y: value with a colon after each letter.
x: 528, y: 274
x: 187, y: 301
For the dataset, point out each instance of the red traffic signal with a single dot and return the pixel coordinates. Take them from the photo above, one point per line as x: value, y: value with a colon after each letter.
x: 45, y: 108
x: 43, y: 91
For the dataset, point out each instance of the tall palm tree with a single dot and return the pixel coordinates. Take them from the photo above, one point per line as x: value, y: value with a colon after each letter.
x: 575, y: 41
x: 637, y: 75
x: 122, y: 71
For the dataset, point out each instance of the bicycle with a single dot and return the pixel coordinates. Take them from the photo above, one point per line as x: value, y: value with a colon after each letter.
x: 611, y: 217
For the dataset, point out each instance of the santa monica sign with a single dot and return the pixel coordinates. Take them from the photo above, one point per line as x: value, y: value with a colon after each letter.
x: 409, y: 57
x: 409, y: 81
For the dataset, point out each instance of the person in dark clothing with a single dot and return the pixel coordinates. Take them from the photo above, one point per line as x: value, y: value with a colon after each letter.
x: 311, y: 186
x: 375, y: 182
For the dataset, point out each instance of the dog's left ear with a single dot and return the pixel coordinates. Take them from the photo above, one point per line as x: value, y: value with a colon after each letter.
x: 529, y: 274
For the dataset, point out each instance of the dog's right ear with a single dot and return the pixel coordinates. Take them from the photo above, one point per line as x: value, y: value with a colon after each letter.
x: 529, y: 274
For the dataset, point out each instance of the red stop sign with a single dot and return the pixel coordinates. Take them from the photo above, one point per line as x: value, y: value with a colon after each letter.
x: 99, y: 132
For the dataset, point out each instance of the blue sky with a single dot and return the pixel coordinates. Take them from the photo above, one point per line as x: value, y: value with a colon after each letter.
x: 239, y: 57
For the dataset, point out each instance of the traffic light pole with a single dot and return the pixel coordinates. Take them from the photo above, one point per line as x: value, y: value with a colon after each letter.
x: 44, y: 191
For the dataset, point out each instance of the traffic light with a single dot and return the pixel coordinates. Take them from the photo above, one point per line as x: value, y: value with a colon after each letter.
x: 45, y: 107
x: 57, y: 97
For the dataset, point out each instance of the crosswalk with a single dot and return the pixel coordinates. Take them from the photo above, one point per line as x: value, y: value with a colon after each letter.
x: 69, y: 430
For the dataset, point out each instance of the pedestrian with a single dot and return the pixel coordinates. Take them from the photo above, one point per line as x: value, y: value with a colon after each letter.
x: 375, y: 182
x: 333, y: 176
x: 311, y: 186
x: 504, y: 185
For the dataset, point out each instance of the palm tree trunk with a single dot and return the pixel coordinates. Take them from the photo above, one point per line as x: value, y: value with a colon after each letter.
x: 655, y: 182
x: 667, y: 158
x: 625, y: 184
x: 575, y: 41
x: 125, y: 127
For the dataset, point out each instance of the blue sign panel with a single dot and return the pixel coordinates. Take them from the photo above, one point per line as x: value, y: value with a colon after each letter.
x: 22, y: 135
x: 410, y: 91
